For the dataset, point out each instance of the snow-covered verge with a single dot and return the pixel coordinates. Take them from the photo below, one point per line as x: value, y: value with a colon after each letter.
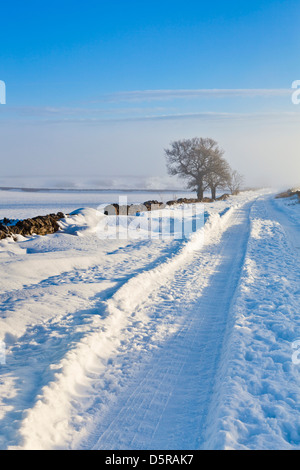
x: 257, y: 390
x: 290, y: 205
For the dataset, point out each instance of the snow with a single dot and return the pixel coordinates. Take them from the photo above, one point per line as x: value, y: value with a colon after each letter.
x: 258, y: 388
x: 23, y: 204
x: 152, y: 342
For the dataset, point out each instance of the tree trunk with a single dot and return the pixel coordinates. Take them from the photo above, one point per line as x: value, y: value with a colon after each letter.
x: 213, y: 193
x: 200, y: 193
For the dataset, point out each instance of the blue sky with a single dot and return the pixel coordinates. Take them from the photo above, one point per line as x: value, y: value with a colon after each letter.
x: 92, y: 85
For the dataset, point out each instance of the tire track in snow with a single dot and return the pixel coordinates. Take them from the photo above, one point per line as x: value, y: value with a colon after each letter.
x: 166, y: 405
x: 33, y: 357
x: 256, y: 402
x: 84, y: 373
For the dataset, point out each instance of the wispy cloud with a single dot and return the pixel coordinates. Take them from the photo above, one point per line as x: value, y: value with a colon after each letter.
x: 107, y: 111
x: 202, y: 116
x: 82, y: 112
x: 160, y: 95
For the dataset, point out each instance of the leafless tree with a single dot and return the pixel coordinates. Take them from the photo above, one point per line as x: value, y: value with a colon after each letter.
x: 194, y: 160
x: 235, y: 182
x: 219, y: 175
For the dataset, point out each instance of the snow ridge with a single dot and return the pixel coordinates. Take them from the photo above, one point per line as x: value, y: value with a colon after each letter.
x: 88, y: 359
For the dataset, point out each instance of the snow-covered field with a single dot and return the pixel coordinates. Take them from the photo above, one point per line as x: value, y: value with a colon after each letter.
x: 23, y: 204
x: 151, y: 343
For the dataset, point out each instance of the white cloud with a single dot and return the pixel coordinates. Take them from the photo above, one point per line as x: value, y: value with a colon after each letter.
x: 151, y: 95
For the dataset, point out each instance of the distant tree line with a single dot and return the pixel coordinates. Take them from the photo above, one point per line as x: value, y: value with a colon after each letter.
x: 200, y: 161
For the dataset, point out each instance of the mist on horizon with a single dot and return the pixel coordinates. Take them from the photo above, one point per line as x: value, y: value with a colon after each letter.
x: 131, y: 154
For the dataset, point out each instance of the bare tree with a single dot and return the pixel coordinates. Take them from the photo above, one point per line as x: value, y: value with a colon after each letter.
x: 219, y: 175
x: 235, y: 182
x: 193, y: 159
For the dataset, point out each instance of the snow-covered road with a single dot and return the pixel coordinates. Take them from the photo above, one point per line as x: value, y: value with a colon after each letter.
x: 167, y: 404
x: 155, y: 344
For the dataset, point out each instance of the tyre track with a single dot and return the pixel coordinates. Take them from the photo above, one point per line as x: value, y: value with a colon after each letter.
x: 133, y: 381
x: 166, y: 404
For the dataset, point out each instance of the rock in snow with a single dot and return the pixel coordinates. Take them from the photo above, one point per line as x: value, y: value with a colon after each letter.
x: 41, y: 225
